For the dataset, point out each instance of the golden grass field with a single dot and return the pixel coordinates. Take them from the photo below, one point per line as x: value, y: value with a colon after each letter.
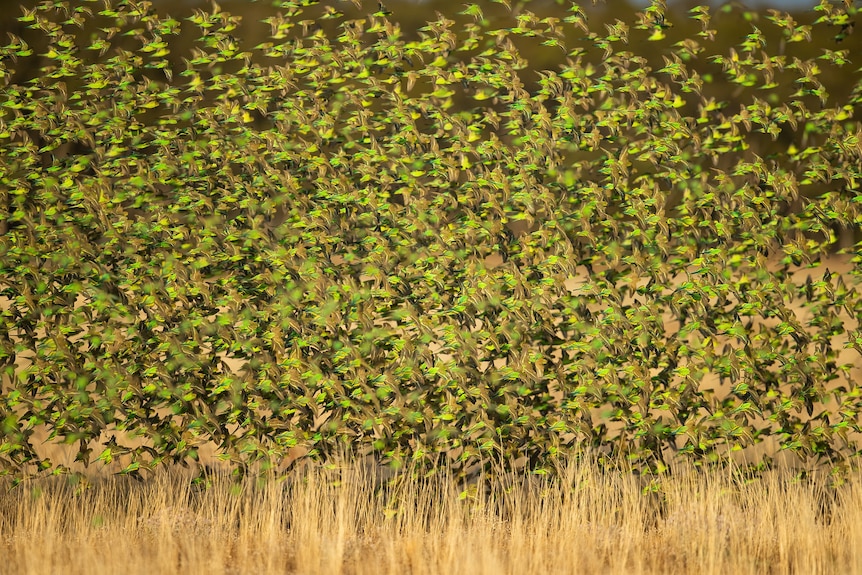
x: 331, y: 520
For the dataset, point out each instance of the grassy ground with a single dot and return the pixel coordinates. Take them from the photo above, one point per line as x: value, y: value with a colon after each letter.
x: 330, y: 521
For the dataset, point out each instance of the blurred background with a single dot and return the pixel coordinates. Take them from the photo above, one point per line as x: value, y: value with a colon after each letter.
x: 733, y: 21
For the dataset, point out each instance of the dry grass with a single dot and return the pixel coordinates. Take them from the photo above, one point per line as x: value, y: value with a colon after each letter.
x: 343, y: 520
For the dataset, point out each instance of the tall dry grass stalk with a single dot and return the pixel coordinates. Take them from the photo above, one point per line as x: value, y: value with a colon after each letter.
x: 348, y: 520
